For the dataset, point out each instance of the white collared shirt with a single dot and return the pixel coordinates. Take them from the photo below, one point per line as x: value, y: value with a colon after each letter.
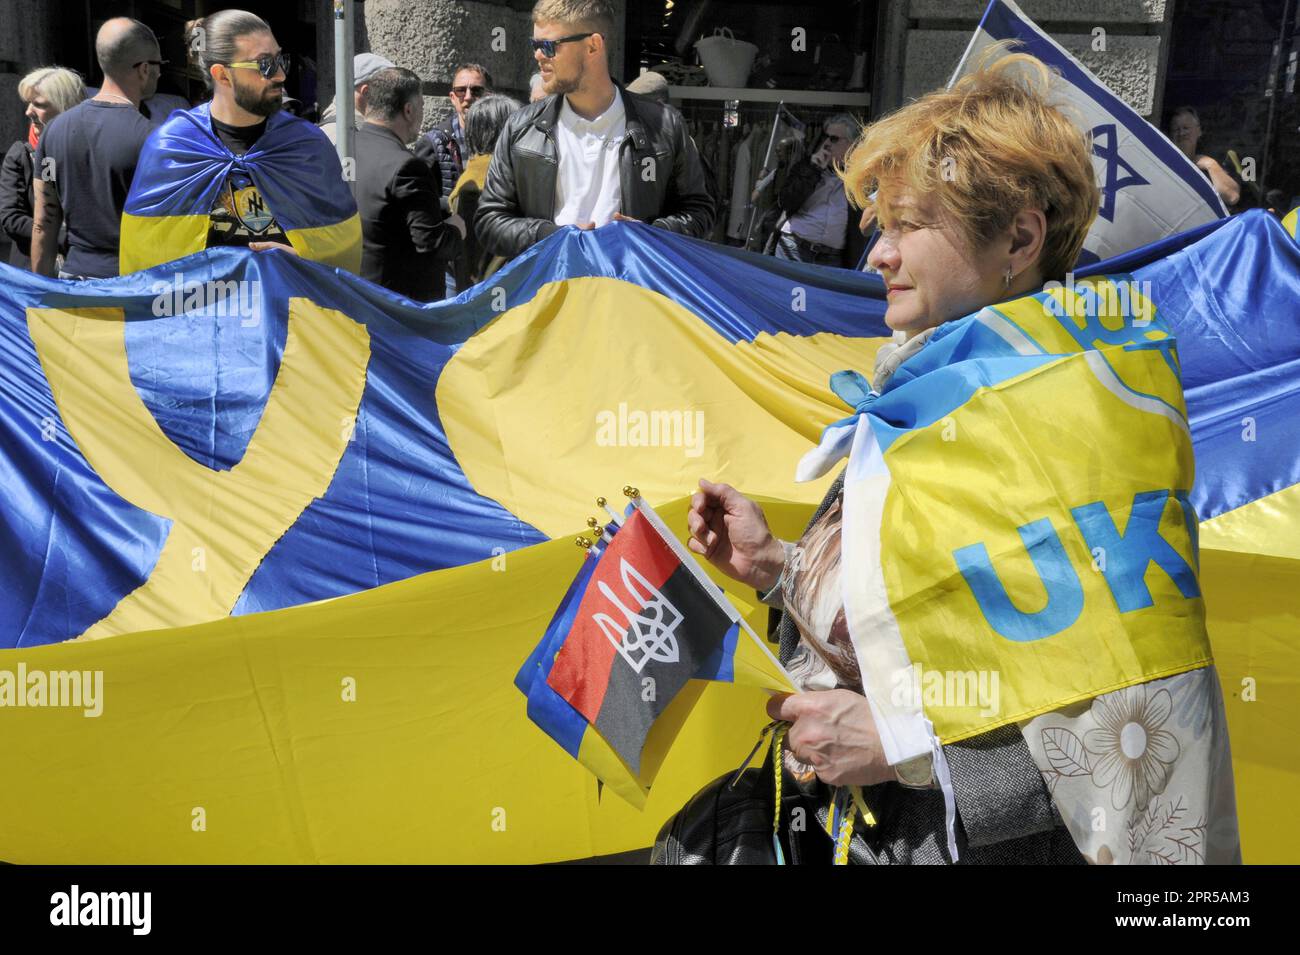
x: 824, y: 217
x: 587, y: 186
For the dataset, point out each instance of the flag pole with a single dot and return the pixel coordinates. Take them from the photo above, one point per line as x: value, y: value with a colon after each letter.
x: 693, y: 567
x: 344, y: 109
x: 753, y: 202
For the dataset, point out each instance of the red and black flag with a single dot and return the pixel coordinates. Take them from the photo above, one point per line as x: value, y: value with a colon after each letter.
x: 646, y: 625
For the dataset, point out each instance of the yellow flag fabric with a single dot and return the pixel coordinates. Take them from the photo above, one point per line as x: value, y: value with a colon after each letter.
x: 379, y: 727
x: 1099, y: 524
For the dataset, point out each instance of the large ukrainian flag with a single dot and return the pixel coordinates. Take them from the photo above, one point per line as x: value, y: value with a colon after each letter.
x: 184, y: 167
x: 167, y: 474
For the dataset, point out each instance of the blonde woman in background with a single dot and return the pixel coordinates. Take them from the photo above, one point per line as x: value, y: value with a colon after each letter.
x: 483, y: 125
x: 47, y: 91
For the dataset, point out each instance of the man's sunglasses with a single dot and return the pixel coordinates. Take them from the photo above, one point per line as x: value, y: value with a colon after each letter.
x: 268, y: 65
x: 459, y: 91
x: 158, y: 63
x: 548, y: 46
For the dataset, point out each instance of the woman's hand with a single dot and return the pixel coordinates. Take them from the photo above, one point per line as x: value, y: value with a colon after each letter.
x: 730, y: 530
x: 834, y: 732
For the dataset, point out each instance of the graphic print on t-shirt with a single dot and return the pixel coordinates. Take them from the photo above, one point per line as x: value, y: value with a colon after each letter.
x: 241, y: 214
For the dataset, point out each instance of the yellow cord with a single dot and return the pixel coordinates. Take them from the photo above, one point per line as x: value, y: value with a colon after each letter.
x: 854, y: 806
x: 777, y: 736
x: 861, y: 803
x: 845, y: 836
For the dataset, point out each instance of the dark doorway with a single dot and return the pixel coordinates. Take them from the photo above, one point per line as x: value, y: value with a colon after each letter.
x: 1234, y: 62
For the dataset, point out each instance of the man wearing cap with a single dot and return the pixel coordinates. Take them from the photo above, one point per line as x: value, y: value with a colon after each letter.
x: 655, y: 86
x: 364, y: 66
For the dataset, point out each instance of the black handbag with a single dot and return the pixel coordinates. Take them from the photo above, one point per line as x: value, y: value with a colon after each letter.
x: 732, y: 825
x: 722, y: 825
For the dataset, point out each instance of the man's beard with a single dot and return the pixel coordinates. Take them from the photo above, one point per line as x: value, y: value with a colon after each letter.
x: 259, y: 104
x: 556, y: 85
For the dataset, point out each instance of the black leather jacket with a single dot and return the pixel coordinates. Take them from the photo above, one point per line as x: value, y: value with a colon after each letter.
x: 517, y: 208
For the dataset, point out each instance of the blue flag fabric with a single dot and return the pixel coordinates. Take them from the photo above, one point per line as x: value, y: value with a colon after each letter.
x: 391, y: 493
x: 206, y: 345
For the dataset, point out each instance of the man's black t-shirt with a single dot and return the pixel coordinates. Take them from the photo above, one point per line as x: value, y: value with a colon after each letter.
x: 241, y: 215
x: 89, y: 154
x: 238, y: 139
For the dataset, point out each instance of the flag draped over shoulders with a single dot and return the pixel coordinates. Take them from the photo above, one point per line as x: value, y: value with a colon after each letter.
x: 963, y: 566
x: 1021, y: 531
x: 185, y: 166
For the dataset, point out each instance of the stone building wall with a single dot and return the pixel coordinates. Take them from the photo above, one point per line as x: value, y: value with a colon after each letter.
x: 930, y: 37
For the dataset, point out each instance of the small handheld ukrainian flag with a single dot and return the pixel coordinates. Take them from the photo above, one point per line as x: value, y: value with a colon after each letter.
x: 293, y: 171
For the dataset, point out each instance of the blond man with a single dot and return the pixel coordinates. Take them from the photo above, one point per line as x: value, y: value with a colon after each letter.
x: 590, y: 152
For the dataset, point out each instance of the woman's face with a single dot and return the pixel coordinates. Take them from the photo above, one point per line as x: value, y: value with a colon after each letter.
x: 930, y: 273
x: 40, y: 111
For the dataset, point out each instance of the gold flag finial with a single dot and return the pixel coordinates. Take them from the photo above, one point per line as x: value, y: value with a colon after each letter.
x: 630, y: 491
x: 582, y: 542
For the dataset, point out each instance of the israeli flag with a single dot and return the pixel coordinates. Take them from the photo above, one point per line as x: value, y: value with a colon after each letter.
x: 1149, y: 189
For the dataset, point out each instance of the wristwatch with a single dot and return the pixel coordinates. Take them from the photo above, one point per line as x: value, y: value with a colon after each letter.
x: 917, y: 772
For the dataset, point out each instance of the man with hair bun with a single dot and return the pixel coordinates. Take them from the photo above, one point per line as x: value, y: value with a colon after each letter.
x: 239, y: 171
x: 87, y: 157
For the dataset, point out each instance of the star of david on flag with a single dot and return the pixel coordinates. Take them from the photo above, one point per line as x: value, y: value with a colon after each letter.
x: 1149, y: 189
x: 1119, y: 173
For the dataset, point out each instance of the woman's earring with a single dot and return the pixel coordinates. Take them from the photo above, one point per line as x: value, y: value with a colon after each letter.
x: 1006, y: 279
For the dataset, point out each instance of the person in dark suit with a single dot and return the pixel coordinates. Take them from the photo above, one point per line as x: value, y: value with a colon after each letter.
x: 406, y: 240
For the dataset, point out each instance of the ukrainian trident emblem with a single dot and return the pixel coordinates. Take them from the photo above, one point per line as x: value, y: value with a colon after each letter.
x: 647, y: 634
